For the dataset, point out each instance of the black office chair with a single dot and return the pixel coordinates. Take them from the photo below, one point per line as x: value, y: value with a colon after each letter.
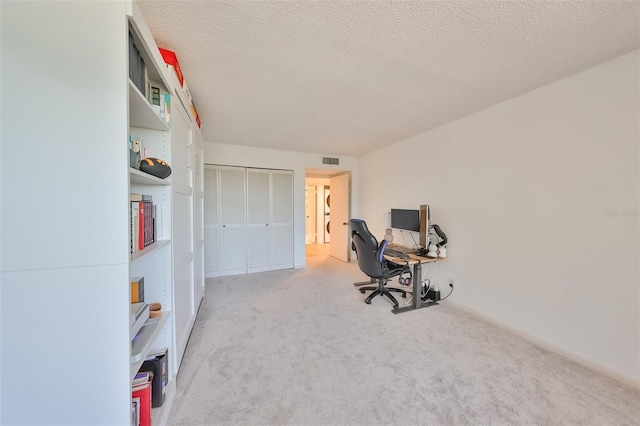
x: 372, y: 262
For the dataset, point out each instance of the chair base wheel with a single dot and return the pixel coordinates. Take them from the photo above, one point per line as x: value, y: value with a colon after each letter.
x: 368, y: 302
x: 362, y: 291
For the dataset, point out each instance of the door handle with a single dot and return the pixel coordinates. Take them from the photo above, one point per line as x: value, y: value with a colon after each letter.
x: 344, y: 223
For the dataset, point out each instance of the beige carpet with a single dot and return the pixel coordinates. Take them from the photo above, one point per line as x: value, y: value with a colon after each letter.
x: 298, y: 347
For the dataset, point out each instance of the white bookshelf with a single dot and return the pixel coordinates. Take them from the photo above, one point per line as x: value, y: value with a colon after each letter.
x: 79, y: 270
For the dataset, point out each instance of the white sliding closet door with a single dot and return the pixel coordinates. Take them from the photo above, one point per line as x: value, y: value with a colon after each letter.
x: 282, y: 219
x: 248, y: 220
x: 211, y: 222
x: 233, y: 253
x: 258, y: 219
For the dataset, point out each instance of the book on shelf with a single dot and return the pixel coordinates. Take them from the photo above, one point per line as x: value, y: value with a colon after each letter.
x: 148, y: 222
x: 154, y: 227
x: 140, y: 225
x: 135, y: 224
x: 137, y: 151
x: 139, y: 197
x: 167, y: 107
x: 135, y: 411
x: 137, y: 289
x: 138, y: 73
x: 155, y: 95
x: 141, y: 378
x: 142, y: 222
x: 143, y: 391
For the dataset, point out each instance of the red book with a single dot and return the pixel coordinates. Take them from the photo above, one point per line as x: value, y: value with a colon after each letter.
x: 143, y: 392
x: 141, y: 228
x: 148, y: 223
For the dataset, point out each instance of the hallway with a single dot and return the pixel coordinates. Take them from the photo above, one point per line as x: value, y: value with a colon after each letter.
x: 314, y: 250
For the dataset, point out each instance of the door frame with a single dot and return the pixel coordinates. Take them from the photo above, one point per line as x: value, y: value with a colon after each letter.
x: 322, y: 177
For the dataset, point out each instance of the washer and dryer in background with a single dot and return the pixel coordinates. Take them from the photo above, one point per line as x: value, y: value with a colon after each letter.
x: 327, y: 215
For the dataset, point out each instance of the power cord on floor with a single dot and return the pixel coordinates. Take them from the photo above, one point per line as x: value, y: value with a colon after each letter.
x: 427, y: 287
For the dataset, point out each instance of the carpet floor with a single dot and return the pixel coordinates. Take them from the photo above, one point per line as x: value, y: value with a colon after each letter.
x: 299, y: 347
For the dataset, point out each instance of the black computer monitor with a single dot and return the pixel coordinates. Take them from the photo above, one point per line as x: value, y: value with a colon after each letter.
x: 408, y: 220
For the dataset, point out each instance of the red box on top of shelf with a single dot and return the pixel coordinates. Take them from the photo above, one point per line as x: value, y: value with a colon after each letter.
x: 171, y: 59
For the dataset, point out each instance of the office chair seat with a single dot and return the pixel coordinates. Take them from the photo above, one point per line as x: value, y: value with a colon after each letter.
x: 371, y: 261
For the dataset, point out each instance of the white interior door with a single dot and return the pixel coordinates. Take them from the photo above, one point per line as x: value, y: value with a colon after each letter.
x: 310, y: 213
x: 339, y: 244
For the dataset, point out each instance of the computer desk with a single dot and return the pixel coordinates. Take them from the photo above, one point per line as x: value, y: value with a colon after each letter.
x: 417, y: 262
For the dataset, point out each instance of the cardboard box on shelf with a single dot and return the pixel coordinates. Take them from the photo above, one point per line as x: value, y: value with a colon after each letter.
x: 171, y: 59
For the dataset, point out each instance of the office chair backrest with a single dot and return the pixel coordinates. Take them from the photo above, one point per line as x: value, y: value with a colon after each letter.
x: 368, y: 251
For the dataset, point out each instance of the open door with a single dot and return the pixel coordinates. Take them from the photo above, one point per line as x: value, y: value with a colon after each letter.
x: 310, y: 212
x: 339, y: 245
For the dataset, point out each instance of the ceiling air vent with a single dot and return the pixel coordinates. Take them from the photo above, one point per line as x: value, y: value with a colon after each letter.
x: 329, y: 160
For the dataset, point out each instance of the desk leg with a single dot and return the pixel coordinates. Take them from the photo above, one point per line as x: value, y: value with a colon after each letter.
x: 417, y: 293
x: 417, y: 284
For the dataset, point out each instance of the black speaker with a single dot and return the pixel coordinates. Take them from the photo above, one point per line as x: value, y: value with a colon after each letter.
x: 156, y: 167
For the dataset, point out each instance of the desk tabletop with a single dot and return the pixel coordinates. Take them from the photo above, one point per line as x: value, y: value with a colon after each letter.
x: 413, y: 258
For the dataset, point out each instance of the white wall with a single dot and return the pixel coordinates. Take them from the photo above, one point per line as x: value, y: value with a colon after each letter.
x: 539, y: 197
x: 234, y: 155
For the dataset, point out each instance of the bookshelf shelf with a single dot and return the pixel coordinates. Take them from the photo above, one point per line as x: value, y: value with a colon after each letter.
x: 157, y: 245
x: 141, y: 178
x: 140, y: 112
x: 141, y: 344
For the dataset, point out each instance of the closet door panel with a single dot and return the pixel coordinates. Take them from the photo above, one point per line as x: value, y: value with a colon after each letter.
x: 211, y: 222
x: 211, y: 254
x: 233, y: 221
x: 258, y: 249
x: 258, y: 233
x: 282, y: 219
x: 282, y: 247
x: 232, y: 254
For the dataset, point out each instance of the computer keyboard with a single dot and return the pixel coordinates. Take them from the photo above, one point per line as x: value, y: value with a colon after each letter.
x: 404, y: 249
x: 395, y: 253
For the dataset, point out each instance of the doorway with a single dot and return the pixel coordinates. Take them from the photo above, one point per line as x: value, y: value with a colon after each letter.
x: 327, y: 209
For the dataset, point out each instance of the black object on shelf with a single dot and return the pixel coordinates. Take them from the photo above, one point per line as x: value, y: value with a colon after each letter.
x: 156, y: 167
x: 158, y: 365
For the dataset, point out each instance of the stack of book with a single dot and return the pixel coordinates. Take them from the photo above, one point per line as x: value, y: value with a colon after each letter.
x: 137, y: 151
x: 142, y: 222
x: 160, y: 102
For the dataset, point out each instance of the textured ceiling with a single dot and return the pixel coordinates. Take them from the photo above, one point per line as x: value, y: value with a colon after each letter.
x: 348, y: 77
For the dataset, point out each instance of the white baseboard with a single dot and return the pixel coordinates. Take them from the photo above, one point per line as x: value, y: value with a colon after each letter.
x: 615, y: 375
